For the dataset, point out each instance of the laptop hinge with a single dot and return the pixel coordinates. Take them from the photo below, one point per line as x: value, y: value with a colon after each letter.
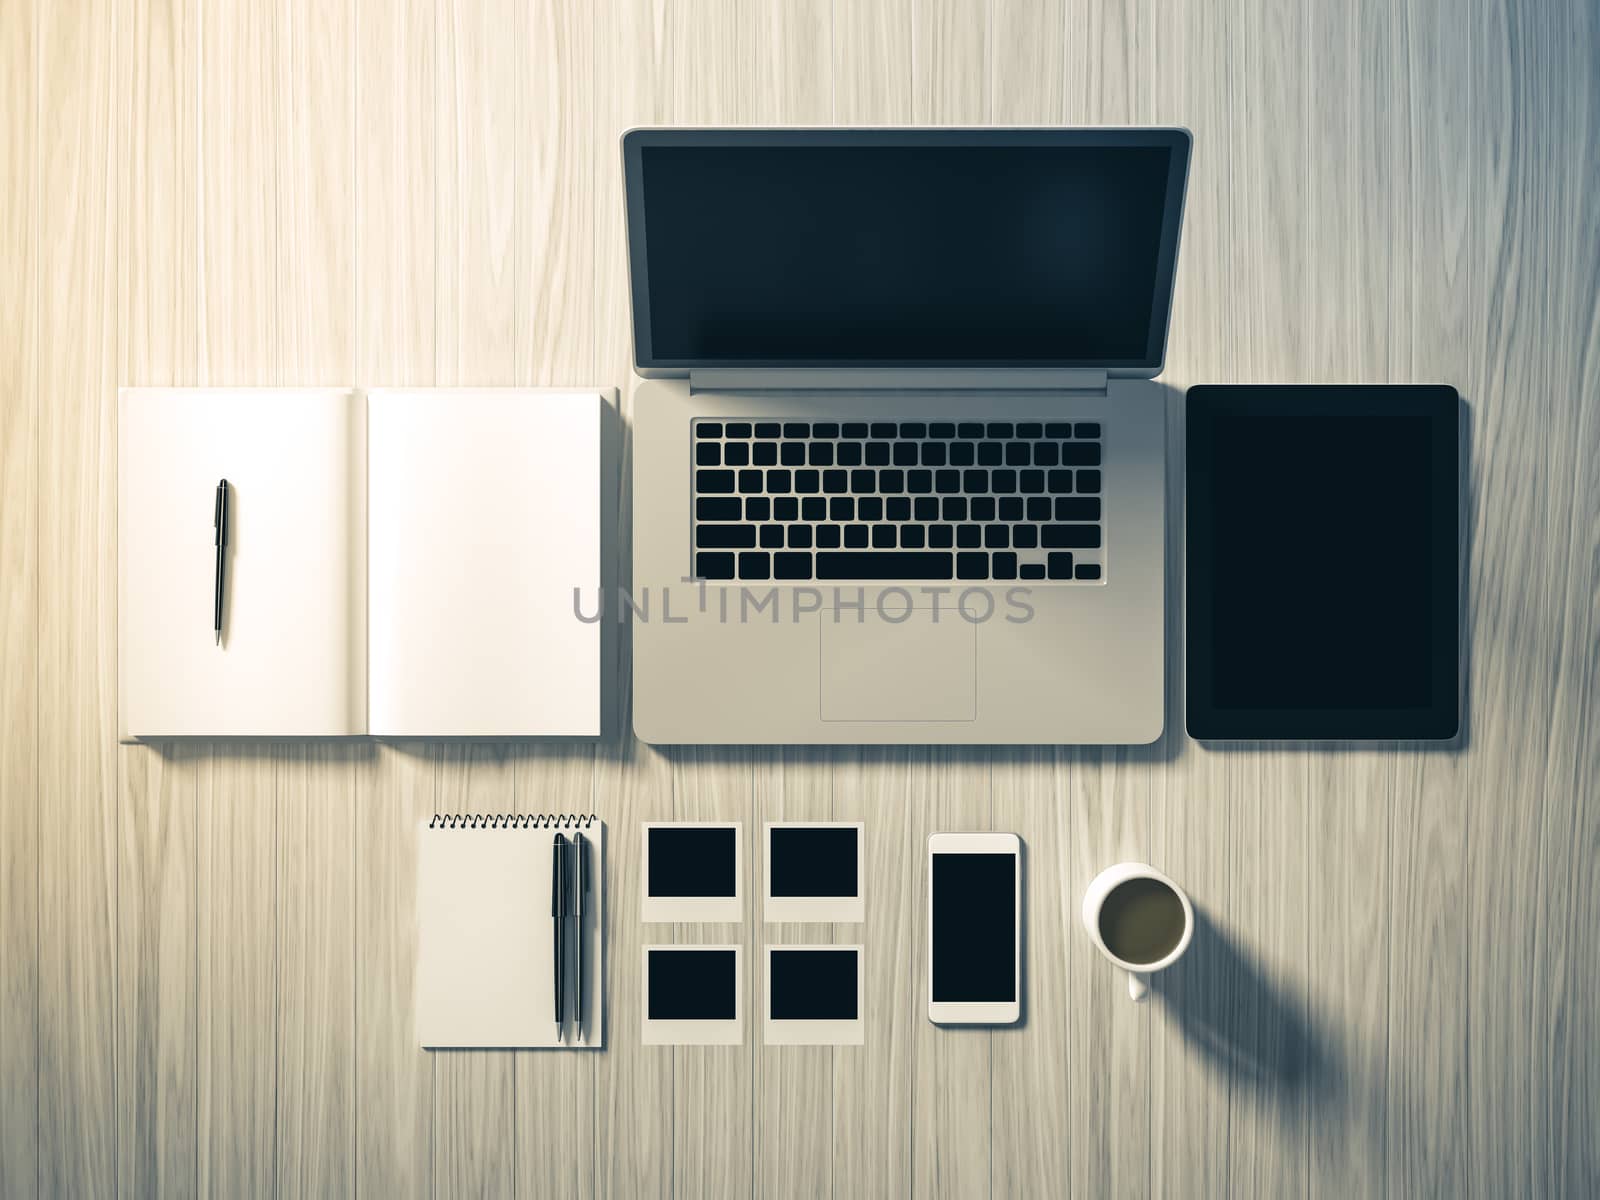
x: 723, y: 379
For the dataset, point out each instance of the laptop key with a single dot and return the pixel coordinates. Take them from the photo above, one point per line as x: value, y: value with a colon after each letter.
x: 1039, y: 508
x: 962, y: 454
x: 972, y: 566
x: 772, y: 537
x: 1046, y: 454
x: 799, y: 538
x: 1080, y: 454
x: 1003, y: 565
x: 792, y: 454
x: 919, y: 482
x: 813, y: 508
x: 878, y: 454
x: 1030, y: 429
x: 1058, y: 430
x: 983, y: 508
x: 708, y: 454
x: 905, y: 454
x: 969, y: 429
x: 1003, y: 480
x: 1030, y: 481
x: 926, y: 508
x: 1089, y: 481
x: 1032, y: 570
x: 726, y: 537
x: 713, y: 566
x: 1086, y: 571
x: 897, y: 508
x: 1017, y: 454
x: 969, y: 537
x: 947, y: 481
x: 786, y: 508
x: 1011, y: 508
x: 990, y: 454
x: 791, y: 566
x: 821, y: 454
x: 768, y: 429
x: 843, y: 508
x: 825, y: 429
x: 855, y: 537
x: 1060, y: 481
x: 942, y: 429
x: 755, y: 564
x: 869, y: 508
x: 708, y: 429
x: 913, y: 429
x: 835, y: 482
x: 903, y: 564
x: 941, y: 537
x: 1000, y: 429
x: 827, y: 537
x: 933, y: 454
x: 764, y: 454
x: 848, y: 454
x: 807, y: 481
x: 912, y: 537
x: 884, y: 429
x: 893, y: 480
x: 796, y: 429
x: 863, y: 479
x: 714, y: 508
x: 778, y: 481
x: 1060, y: 566
x: 955, y: 508
x: 749, y: 481
x: 883, y: 537
x: 975, y: 480
x: 713, y: 481
x: 996, y: 537
x: 1077, y: 508
x: 1086, y: 429
x: 737, y: 429
x: 736, y: 454
x: 1070, y: 537
x: 1025, y: 537
x: 757, y: 508
x: 855, y: 429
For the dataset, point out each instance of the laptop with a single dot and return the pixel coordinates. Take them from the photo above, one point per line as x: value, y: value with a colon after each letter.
x: 899, y: 456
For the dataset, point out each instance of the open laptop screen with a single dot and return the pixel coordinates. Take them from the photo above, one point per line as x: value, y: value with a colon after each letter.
x: 903, y: 248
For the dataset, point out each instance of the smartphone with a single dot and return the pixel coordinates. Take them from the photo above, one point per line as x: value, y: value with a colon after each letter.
x: 974, y: 929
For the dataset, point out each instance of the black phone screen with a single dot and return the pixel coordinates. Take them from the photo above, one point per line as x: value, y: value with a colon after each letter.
x: 974, y: 928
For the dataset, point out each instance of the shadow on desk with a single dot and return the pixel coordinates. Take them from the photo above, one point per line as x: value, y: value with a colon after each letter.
x: 1248, y: 1028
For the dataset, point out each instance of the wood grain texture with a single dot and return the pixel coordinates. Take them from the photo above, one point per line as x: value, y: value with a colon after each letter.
x: 20, y: 801
x: 208, y: 949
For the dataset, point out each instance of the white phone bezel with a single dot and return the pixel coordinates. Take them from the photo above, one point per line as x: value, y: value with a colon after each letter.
x: 813, y: 1033
x: 986, y: 1013
x: 691, y: 1033
x: 842, y: 909
x: 662, y: 910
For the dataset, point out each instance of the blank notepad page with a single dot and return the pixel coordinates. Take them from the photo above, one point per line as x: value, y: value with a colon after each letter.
x: 483, y: 517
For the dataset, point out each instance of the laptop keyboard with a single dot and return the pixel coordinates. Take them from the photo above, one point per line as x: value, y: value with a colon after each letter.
x: 887, y: 501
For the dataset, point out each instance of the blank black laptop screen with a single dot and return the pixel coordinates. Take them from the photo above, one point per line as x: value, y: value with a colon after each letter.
x: 1322, y: 559
x: 937, y: 254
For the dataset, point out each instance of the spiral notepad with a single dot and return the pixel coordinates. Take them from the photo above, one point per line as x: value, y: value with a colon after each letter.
x: 486, y: 939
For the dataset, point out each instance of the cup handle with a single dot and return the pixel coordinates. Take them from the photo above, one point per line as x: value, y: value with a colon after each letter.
x: 1138, y: 986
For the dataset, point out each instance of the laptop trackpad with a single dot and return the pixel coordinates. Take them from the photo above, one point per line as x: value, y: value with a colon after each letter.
x: 918, y: 669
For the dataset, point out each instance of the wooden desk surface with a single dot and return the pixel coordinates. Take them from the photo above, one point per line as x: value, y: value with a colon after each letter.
x: 207, y: 951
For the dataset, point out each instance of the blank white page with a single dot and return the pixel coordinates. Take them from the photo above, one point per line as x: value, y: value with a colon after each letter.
x: 293, y: 656
x: 483, y: 516
x: 486, y: 940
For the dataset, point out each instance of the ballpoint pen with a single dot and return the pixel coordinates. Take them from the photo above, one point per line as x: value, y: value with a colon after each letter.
x: 219, y: 521
x: 580, y: 850
x: 558, y: 910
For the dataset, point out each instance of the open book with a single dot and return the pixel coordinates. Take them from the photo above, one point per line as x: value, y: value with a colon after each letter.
x: 400, y: 563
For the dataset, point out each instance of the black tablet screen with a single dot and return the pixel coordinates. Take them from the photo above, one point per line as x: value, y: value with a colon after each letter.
x: 1325, y: 571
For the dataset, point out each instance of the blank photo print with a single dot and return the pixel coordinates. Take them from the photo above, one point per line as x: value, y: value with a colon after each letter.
x: 814, y: 996
x: 692, y: 996
x: 692, y: 871
x: 813, y: 871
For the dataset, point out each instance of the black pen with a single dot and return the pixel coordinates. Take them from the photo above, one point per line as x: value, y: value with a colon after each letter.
x: 580, y: 848
x: 219, y: 521
x: 558, y: 910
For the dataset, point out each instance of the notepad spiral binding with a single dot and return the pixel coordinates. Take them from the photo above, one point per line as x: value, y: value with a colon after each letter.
x: 512, y: 820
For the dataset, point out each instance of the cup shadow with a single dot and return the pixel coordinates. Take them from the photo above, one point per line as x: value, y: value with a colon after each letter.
x: 1248, y: 1028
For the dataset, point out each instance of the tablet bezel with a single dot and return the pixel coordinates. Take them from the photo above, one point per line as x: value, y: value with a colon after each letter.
x: 1439, y: 720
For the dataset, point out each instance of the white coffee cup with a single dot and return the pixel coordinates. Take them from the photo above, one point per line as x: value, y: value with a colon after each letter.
x: 1094, y: 901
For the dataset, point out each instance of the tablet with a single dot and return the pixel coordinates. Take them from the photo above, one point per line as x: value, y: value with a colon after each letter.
x: 1321, y: 563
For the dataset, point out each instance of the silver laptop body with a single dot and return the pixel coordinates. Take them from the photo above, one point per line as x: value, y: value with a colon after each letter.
x: 883, y: 492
